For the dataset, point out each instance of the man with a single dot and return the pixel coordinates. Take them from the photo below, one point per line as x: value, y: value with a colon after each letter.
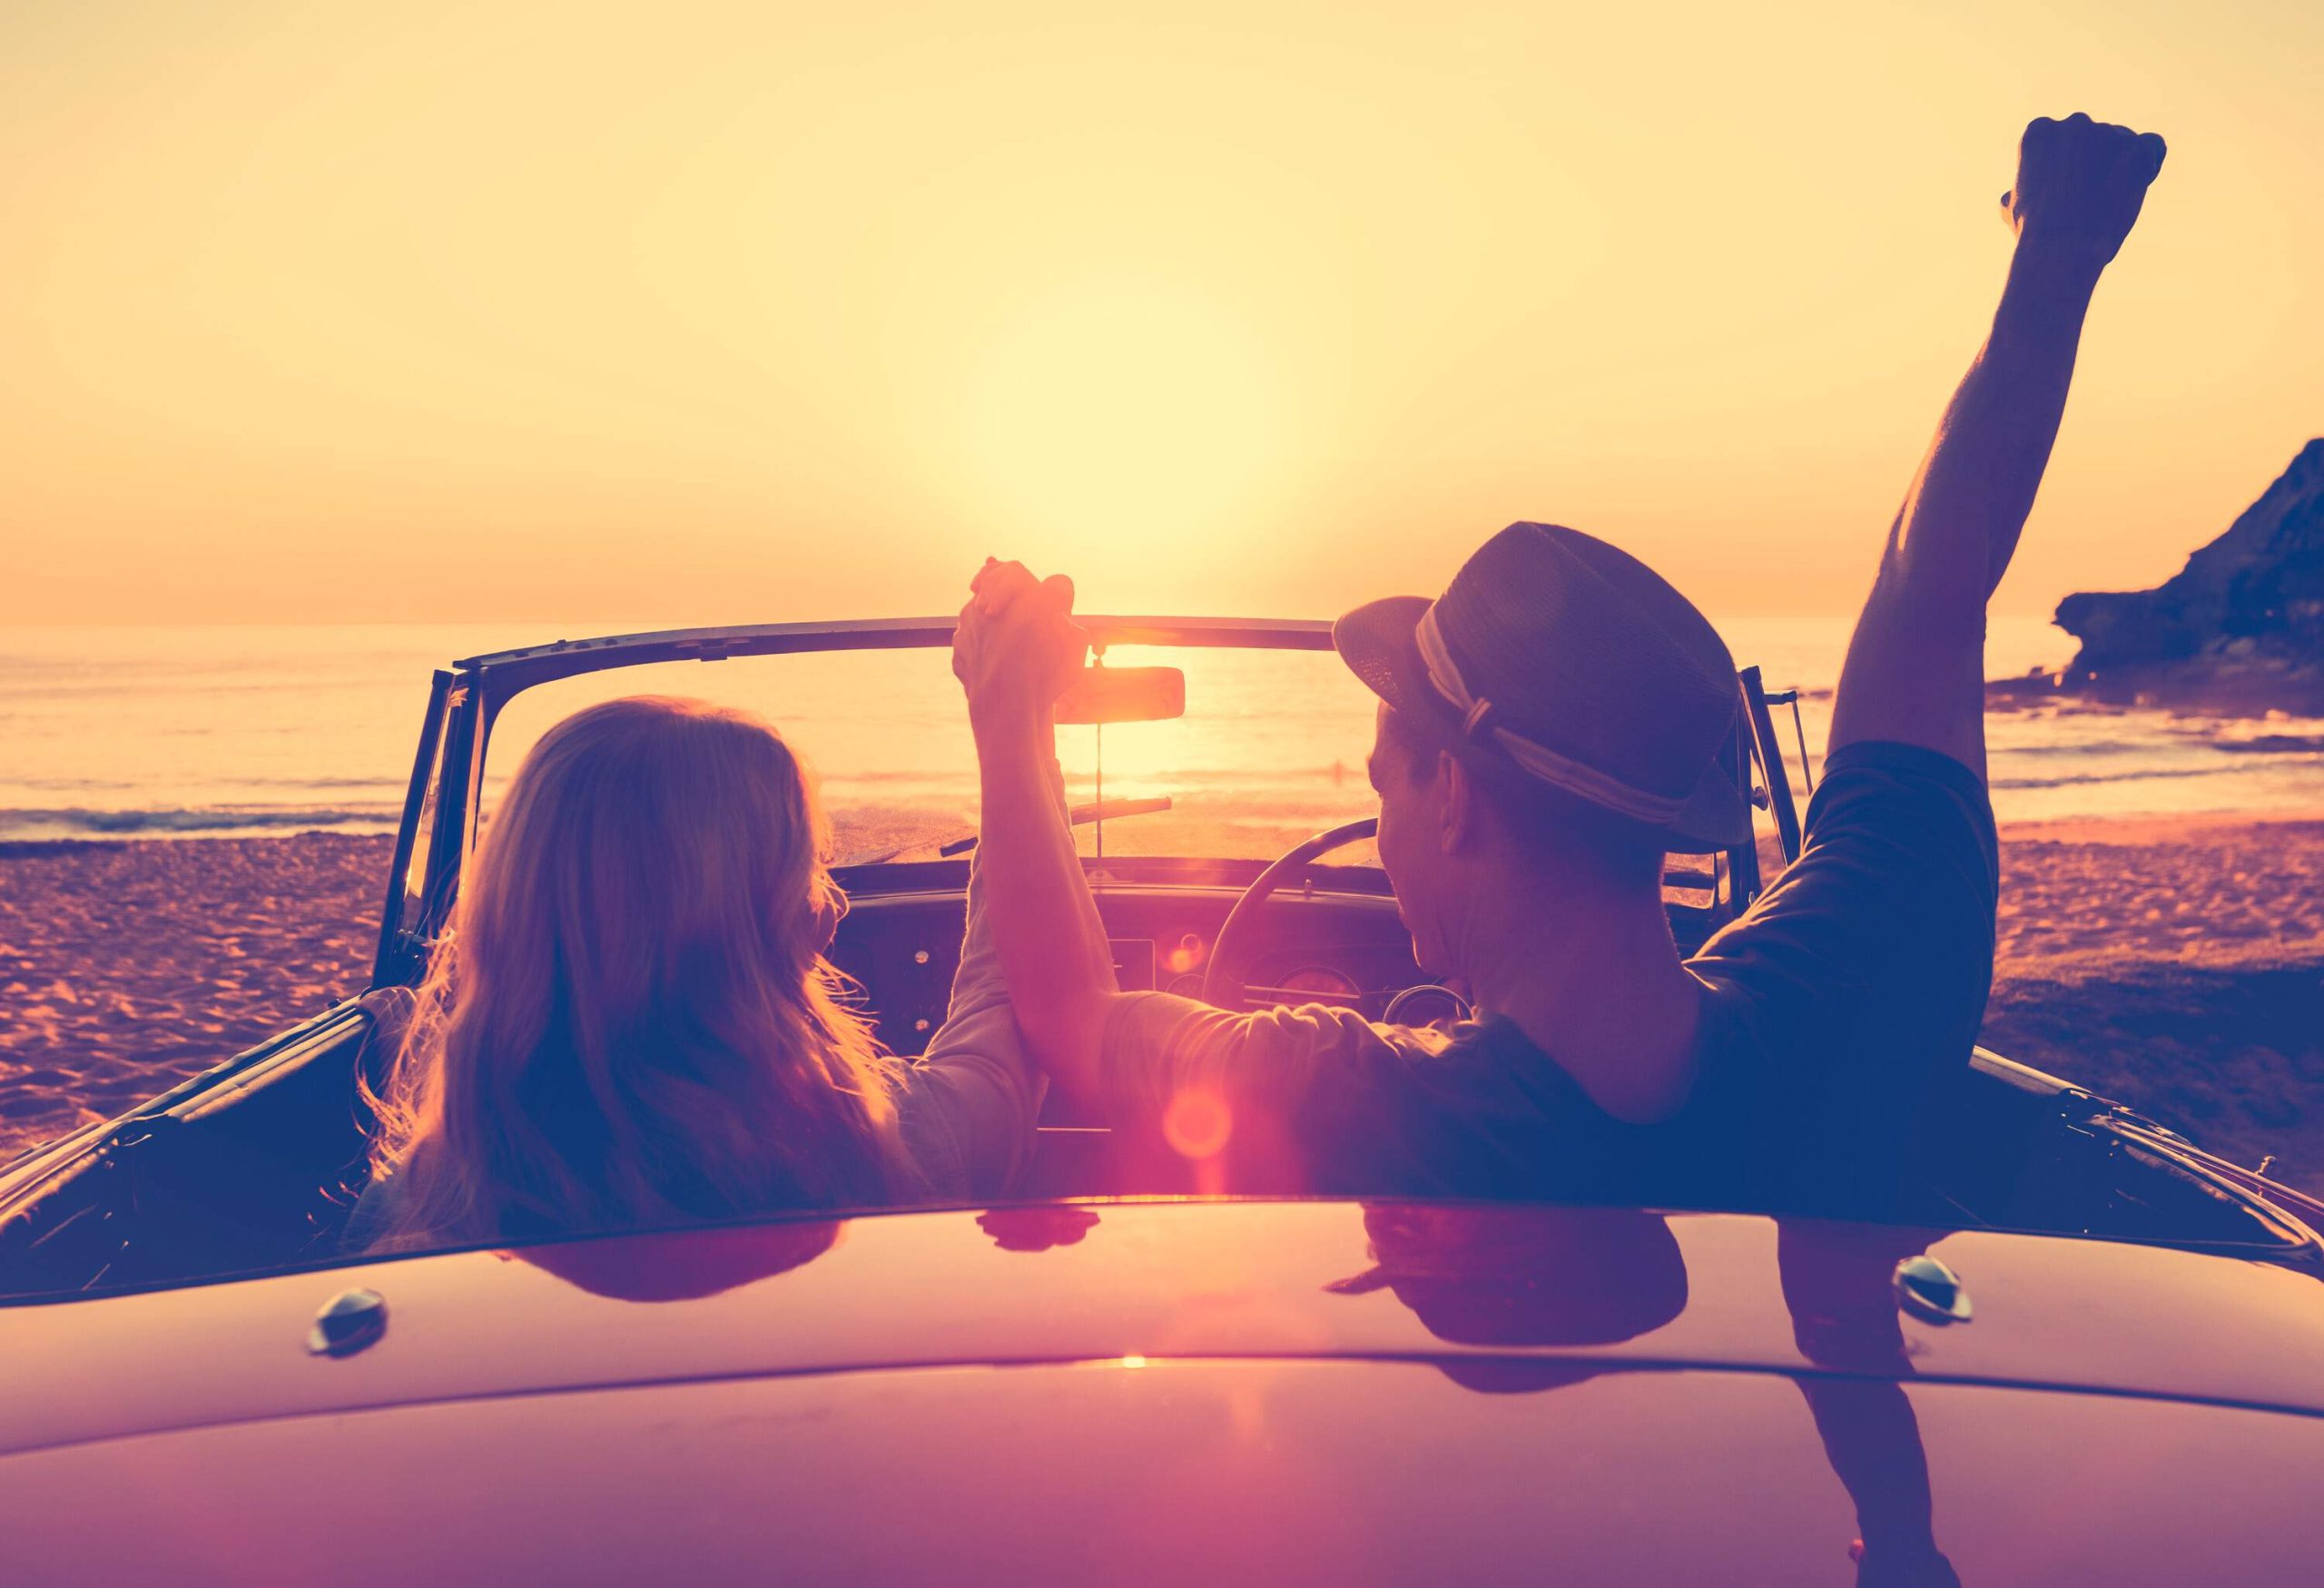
x: 1548, y: 729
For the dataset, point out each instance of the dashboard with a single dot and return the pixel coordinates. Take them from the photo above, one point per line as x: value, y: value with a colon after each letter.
x: 1328, y: 947
x: 1329, y: 935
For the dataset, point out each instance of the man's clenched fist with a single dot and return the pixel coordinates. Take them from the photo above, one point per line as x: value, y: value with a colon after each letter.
x: 2080, y: 183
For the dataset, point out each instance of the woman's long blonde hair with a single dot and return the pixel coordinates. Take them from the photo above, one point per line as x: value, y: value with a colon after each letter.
x: 631, y: 1022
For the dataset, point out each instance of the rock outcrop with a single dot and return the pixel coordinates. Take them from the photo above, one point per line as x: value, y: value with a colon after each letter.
x: 2240, y: 628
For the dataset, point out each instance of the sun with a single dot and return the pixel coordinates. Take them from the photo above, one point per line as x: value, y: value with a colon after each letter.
x: 1124, y: 411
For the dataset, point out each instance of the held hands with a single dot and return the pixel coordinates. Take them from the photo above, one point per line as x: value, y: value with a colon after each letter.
x: 2079, y: 184
x: 1017, y: 646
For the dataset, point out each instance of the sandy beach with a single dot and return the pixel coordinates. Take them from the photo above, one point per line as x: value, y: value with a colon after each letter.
x: 2174, y: 963
x: 125, y: 967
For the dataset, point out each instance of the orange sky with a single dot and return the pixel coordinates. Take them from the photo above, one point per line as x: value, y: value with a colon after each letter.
x: 714, y: 313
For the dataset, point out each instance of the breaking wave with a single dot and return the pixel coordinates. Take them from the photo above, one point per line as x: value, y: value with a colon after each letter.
x: 178, y: 820
x: 2134, y: 775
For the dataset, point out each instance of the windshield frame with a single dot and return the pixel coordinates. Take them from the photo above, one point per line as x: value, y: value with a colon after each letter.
x: 504, y: 674
x: 482, y: 686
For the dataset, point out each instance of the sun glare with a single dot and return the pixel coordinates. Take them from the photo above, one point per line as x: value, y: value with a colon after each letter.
x: 1130, y: 412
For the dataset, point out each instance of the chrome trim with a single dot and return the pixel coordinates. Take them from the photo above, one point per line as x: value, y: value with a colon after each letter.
x: 2231, y: 1181
x: 1300, y: 634
x: 1929, y: 1290
x: 350, y: 1321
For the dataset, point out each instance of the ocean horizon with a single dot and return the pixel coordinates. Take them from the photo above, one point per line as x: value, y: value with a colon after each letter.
x: 143, y: 731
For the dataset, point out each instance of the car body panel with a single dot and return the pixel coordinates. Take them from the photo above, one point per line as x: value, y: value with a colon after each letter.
x: 1210, y: 1473
x: 1071, y: 1282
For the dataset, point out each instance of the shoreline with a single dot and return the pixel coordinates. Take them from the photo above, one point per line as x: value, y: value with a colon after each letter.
x: 2143, y: 827
x: 2173, y: 963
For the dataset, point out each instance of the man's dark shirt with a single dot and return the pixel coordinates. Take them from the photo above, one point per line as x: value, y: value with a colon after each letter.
x: 1835, y: 1003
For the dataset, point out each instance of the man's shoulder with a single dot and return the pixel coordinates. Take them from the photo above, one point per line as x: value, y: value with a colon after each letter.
x: 1883, y: 816
x: 1882, y: 786
x: 1898, y: 878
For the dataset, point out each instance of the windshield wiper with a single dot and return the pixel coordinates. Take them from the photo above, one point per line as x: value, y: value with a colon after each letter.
x: 1080, y: 816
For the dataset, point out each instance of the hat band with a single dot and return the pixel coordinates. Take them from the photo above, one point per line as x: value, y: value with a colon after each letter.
x: 1537, y: 759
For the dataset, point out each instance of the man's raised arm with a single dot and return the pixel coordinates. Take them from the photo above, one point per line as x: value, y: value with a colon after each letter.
x: 1916, y: 667
x: 1014, y: 652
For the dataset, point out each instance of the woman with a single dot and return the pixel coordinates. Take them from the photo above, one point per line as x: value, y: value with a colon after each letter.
x: 631, y: 1022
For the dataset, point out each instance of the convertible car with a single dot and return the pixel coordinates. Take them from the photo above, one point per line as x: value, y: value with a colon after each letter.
x: 2094, y: 1354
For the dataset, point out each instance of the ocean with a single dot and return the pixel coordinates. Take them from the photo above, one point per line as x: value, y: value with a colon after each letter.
x: 188, y: 732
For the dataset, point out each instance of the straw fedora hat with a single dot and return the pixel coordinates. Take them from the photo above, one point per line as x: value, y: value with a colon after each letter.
x: 1575, y: 664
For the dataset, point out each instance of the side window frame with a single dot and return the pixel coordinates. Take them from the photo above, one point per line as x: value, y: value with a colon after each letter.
x: 436, y: 832
x: 392, y: 962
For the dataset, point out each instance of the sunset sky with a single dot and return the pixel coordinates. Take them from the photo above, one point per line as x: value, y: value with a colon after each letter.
x: 693, y: 312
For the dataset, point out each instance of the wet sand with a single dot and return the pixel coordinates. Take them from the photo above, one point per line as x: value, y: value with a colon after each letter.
x: 2176, y: 964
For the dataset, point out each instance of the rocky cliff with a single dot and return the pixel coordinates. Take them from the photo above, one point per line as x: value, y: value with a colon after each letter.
x: 2240, y: 628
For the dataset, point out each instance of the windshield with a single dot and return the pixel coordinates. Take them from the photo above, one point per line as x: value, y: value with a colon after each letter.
x: 1271, y: 748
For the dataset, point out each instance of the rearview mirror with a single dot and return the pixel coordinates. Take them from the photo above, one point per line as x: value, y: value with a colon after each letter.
x: 1123, y: 694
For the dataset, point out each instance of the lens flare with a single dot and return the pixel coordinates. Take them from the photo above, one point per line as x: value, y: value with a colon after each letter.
x: 1197, y: 1124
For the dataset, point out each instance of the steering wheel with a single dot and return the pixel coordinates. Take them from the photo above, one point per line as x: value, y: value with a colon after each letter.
x: 1223, y: 981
